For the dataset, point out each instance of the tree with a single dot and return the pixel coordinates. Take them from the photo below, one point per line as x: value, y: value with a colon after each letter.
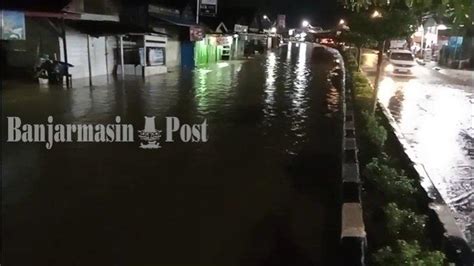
x: 382, y: 23
x: 408, y: 254
x: 357, y: 39
x: 458, y: 10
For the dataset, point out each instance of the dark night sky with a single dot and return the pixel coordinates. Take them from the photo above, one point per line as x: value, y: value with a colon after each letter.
x: 319, y: 12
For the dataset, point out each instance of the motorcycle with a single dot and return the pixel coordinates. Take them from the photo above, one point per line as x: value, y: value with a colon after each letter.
x: 53, y: 70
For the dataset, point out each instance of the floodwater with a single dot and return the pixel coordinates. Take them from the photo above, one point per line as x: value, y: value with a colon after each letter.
x: 262, y: 191
x: 434, y: 114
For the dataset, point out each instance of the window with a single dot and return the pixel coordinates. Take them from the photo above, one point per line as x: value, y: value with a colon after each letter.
x: 402, y: 56
x: 156, y: 56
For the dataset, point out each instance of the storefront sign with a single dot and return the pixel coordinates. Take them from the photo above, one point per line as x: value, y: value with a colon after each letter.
x: 196, y: 33
x: 208, y: 8
x: 12, y: 25
x: 224, y: 40
x: 240, y: 28
x: 281, y: 21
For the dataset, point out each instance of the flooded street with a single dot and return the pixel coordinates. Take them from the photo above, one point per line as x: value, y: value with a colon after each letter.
x: 264, y: 189
x: 434, y: 114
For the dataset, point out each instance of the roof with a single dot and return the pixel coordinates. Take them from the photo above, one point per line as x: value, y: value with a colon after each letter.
x: 178, y: 21
x: 34, y: 5
x: 107, y: 28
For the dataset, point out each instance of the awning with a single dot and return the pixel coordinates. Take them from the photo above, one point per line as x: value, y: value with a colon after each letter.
x: 178, y: 21
x: 108, y: 28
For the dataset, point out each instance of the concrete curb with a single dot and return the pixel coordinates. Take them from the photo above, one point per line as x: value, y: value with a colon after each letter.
x: 353, y: 235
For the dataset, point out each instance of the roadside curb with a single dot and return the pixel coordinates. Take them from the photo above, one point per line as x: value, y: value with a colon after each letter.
x: 353, y: 234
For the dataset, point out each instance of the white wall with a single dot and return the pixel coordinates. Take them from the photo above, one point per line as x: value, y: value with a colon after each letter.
x: 77, y: 54
x: 173, y: 53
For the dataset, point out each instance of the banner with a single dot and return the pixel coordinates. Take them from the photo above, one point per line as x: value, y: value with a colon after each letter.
x: 281, y: 21
x: 12, y: 25
x: 196, y: 33
x: 208, y: 8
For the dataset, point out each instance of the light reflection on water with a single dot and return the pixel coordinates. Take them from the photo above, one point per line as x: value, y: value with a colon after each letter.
x: 435, y: 120
x: 265, y: 116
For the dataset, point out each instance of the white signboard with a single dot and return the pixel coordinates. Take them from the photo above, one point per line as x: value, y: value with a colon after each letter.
x: 208, y: 8
x: 240, y: 28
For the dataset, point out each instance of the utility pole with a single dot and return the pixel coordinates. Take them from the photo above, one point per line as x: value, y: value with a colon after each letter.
x: 197, y: 11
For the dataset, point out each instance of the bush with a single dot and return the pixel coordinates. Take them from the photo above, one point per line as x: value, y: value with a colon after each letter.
x: 404, y: 224
x: 374, y: 132
x: 409, y: 254
x: 363, y: 92
x: 393, y: 184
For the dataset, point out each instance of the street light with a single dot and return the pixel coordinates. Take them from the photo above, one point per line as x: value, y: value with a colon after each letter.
x: 305, y: 23
x: 265, y: 17
x: 273, y: 30
x: 376, y: 14
x: 342, y: 22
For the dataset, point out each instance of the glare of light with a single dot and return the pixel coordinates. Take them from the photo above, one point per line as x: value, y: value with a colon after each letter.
x: 273, y: 30
x: 376, y: 14
x: 270, y: 78
x: 288, y: 52
x: 305, y: 23
x: 442, y: 27
x: 301, y: 80
x: 386, y: 90
x: 236, y: 35
x: 389, y: 68
x: 291, y: 32
x: 203, y: 71
x: 342, y: 22
x: 265, y: 17
x: 222, y: 64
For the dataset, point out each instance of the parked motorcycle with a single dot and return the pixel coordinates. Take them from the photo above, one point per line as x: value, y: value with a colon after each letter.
x: 53, y: 70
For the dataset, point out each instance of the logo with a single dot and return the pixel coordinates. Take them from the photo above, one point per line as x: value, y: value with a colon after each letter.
x: 149, y: 135
x: 50, y: 133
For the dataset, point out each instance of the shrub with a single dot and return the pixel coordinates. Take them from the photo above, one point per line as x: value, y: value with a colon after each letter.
x: 374, y: 132
x: 409, y: 254
x: 363, y: 91
x: 393, y: 184
x: 404, y: 224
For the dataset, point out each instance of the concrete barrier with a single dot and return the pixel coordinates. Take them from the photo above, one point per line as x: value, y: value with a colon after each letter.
x: 353, y: 236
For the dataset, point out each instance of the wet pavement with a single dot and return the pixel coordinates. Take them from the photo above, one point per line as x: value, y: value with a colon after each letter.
x: 262, y: 191
x: 434, y: 114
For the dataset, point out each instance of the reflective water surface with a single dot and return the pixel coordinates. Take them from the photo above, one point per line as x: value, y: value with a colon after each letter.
x: 262, y: 191
x: 434, y: 114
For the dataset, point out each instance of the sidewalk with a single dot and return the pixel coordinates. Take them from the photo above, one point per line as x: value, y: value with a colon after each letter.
x: 463, y: 75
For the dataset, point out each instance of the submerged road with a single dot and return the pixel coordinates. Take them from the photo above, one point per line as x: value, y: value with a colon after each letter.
x: 434, y: 113
x: 263, y: 190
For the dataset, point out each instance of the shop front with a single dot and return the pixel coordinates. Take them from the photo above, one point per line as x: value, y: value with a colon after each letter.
x: 213, y: 48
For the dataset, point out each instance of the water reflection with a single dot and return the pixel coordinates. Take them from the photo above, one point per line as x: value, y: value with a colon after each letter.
x: 265, y: 116
x: 434, y: 119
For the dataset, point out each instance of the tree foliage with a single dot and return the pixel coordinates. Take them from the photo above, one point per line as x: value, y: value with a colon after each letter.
x: 394, y: 184
x: 393, y: 24
x: 459, y: 11
x: 404, y: 224
x: 408, y: 254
